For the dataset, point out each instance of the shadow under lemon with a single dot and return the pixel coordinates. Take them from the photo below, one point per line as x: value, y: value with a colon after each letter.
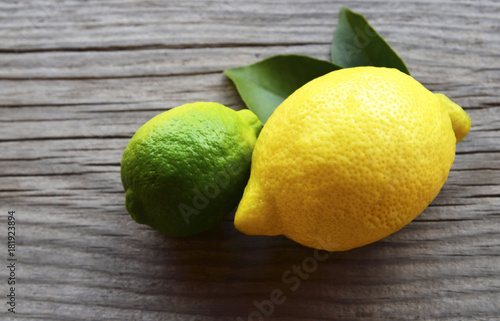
x: 261, y: 276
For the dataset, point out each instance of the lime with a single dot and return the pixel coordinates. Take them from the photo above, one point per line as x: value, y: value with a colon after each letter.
x: 186, y: 169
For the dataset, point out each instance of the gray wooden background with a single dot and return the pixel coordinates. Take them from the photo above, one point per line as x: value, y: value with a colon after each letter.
x: 78, y: 78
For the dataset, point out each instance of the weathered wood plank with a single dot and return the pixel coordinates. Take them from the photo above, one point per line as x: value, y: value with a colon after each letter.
x: 68, y: 24
x: 78, y: 78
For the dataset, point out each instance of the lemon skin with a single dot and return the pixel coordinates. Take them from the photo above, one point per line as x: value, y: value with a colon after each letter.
x: 350, y: 158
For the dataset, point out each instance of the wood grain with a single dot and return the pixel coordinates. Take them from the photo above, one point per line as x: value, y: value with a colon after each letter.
x: 78, y: 78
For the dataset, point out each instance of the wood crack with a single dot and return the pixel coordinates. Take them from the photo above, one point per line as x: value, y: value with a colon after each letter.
x: 185, y: 74
x: 63, y: 138
x: 159, y: 46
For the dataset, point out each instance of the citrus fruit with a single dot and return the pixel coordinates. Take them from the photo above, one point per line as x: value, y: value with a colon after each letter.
x: 349, y: 158
x: 185, y: 169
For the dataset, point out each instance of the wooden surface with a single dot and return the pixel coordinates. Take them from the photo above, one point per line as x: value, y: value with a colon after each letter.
x: 78, y: 78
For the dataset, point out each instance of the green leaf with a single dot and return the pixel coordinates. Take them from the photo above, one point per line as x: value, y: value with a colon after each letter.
x: 356, y: 43
x: 264, y: 85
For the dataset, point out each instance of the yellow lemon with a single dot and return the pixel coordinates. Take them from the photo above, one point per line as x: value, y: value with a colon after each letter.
x: 350, y: 158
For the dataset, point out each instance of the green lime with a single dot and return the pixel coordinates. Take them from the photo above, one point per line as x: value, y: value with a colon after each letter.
x: 186, y: 169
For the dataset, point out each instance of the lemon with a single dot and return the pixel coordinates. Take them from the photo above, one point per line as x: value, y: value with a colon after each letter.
x: 350, y: 158
x: 186, y: 169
